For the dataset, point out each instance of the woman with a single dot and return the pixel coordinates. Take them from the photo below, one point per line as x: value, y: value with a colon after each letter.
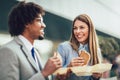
x: 83, y: 38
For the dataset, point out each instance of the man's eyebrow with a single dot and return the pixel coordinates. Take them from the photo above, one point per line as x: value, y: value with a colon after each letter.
x: 40, y: 18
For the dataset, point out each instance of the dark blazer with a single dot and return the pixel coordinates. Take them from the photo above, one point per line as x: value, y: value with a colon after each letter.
x: 16, y: 63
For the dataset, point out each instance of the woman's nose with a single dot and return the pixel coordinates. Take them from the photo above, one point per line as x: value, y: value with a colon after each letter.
x: 78, y: 30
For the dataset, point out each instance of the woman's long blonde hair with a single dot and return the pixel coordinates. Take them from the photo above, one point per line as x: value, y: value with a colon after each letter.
x: 92, y: 39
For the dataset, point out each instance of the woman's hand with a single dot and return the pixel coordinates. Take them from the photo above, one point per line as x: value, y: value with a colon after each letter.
x: 79, y: 61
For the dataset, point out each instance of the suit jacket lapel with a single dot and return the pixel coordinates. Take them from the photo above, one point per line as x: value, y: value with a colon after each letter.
x: 30, y: 59
x: 28, y: 56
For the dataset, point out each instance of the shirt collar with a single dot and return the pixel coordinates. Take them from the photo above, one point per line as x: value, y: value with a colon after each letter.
x: 83, y: 47
x: 27, y: 43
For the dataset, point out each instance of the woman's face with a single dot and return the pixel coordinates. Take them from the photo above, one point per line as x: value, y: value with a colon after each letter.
x: 81, y: 31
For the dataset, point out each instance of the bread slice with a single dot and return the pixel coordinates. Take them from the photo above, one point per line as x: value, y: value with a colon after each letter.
x: 85, y: 55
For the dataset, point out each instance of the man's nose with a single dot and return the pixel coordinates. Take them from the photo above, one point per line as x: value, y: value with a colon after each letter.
x: 43, y: 24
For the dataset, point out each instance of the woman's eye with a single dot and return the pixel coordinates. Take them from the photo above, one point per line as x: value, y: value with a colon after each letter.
x: 74, y: 28
x: 81, y: 27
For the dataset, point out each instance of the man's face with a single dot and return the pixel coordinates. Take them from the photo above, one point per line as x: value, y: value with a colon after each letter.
x: 36, y: 28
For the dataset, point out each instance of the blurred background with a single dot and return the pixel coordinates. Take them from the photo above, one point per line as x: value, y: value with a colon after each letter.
x: 58, y: 18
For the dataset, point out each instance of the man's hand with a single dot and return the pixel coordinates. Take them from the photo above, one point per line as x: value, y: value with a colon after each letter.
x: 52, y: 65
x: 63, y: 76
x: 96, y: 76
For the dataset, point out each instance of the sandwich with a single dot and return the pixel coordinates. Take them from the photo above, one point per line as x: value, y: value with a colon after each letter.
x: 85, y: 55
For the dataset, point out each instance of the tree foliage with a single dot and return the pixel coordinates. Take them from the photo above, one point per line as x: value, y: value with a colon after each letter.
x: 109, y: 45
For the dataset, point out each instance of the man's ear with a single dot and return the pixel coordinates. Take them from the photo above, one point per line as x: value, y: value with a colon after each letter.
x: 27, y: 25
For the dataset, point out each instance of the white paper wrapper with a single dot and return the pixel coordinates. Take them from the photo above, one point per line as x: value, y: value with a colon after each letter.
x: 86, y: 70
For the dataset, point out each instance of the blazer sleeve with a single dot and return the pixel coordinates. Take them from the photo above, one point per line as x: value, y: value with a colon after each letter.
x: 37, y: 76
x: 10, y: 67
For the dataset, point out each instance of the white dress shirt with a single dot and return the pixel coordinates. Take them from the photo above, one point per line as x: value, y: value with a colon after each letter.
x: 29, y: 47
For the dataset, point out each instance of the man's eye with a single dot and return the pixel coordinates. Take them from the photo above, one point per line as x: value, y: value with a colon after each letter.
x: 38, y: 20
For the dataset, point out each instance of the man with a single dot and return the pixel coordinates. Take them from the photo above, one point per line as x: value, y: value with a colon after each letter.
x: 16, y: 62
